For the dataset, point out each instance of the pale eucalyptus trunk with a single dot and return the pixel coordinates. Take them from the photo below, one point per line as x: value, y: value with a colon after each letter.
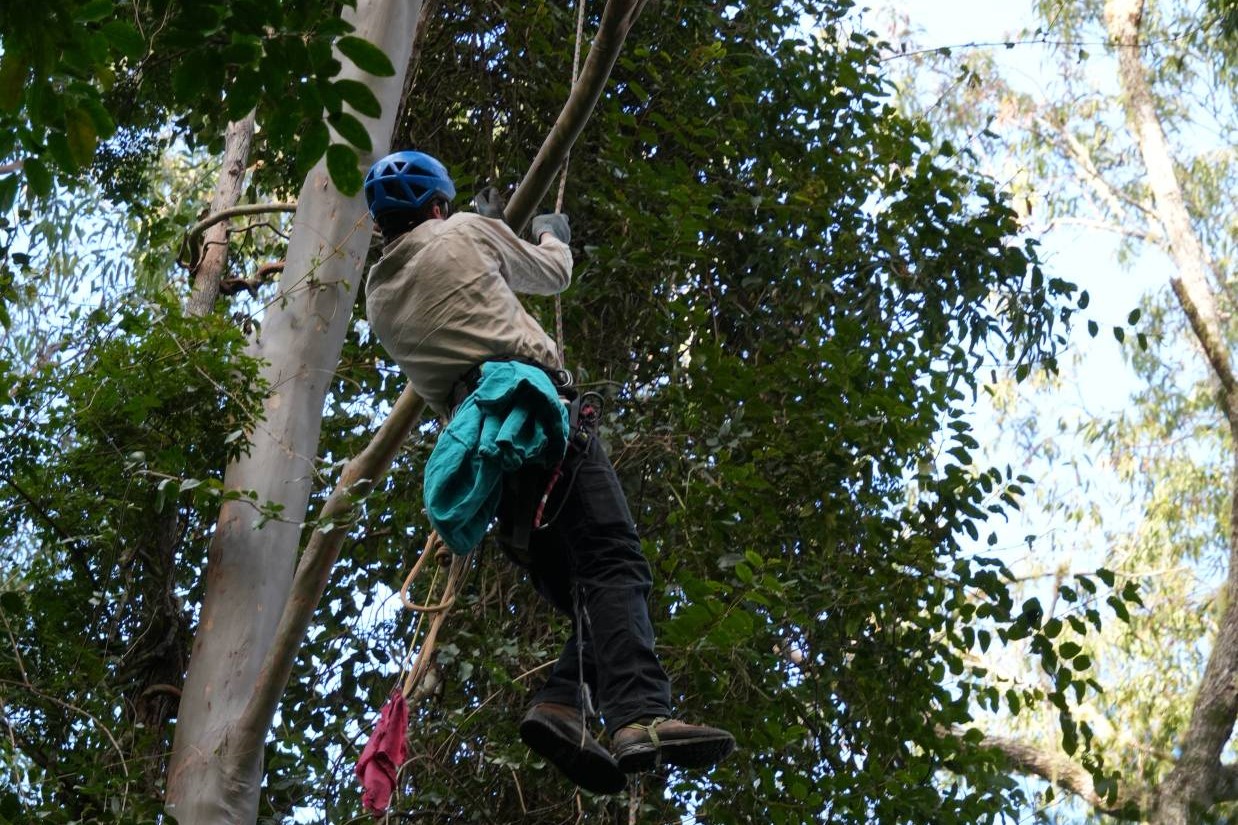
x: 215, y: 774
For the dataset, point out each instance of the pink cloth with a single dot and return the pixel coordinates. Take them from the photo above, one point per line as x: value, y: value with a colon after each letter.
x: 383, y: 755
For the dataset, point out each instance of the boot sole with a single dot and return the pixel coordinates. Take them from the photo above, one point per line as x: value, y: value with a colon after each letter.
x: 594, y: 772
x: 701, y: 752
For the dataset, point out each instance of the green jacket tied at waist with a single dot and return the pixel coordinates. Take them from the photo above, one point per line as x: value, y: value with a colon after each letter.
x: 512, y: 419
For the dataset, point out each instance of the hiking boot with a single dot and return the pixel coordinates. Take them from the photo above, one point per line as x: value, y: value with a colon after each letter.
x: 556, y: 733
x: 643, y: 746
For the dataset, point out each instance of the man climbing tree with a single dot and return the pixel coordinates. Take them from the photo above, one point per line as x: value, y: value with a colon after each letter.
x: 442, y: 300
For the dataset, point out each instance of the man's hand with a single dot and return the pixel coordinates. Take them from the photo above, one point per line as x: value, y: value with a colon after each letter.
x: 489, y: 203
x: 556, y: 224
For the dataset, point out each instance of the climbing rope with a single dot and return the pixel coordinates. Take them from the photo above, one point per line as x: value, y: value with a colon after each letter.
x: 433, y: 612
x: 580, y: 33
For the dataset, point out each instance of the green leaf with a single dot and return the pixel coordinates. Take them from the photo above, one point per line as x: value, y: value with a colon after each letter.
x: 366, y: 56
x: 94, y: 11
x: 345, y: 168
x: 1106, y: 576
x: 8, y: 195
x: 1133, y: 318
x: 82, y: 135
x: 245, y: 93
x: 351, y: 130
x: 38, y: 177
x: 1119, y: 334
x: 359, y: 96
x: 62, y: 155
x: 1093, y: 328
x: 13, y: 70
x: 1070, y: 650
x: 188, y: 81
x: 125, y: 38
x: 314, y: 142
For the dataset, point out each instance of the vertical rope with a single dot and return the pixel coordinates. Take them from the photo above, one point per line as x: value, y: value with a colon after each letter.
x: 580, y: 34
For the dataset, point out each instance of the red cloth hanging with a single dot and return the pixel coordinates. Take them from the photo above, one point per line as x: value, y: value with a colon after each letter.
x: 383, y: 755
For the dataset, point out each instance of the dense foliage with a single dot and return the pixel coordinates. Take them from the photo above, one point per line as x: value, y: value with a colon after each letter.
x: 785, y: 289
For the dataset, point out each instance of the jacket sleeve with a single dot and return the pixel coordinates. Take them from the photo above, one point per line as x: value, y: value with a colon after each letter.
x: 534, y: 269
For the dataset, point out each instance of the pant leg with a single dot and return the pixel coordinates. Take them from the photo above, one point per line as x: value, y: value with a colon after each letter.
x: 592, y: 525
x: 549, y: 569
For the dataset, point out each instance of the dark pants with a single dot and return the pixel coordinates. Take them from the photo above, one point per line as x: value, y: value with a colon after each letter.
x: 587, y: 552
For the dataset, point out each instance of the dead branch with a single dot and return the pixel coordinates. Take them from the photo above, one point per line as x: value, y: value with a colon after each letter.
x: 231, y: 286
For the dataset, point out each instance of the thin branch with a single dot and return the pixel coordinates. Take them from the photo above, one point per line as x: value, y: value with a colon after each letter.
x: 1106, y: 226
x: 617, y: 20
x: 192, y: 243
x: 231, y: 286
x: 1010, y: 44
x: 11, y: 166
x: 26, y: 686
x: 1111, y: 196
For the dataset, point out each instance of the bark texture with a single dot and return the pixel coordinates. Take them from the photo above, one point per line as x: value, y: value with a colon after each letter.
x: 215, y: 775
x: 208, y: 267
x: 1196, y: 781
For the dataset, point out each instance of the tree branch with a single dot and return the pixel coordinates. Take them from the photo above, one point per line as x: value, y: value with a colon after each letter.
x: 617, y: 20
x: 314, y: 570
x: 1104, y: 226
x: 1062, y: 772
x: 193, y: 238
x: 1123, y: 19
x: 1197, y: 779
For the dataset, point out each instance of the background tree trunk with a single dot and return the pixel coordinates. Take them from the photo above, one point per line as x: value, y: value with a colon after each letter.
x: 209, y: 268
x: 250, y: 566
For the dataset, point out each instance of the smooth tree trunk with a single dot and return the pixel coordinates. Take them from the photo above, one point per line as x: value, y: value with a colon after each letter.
x: 251, y: 561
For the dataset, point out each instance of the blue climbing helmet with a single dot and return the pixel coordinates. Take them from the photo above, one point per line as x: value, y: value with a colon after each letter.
x: 404, y: 181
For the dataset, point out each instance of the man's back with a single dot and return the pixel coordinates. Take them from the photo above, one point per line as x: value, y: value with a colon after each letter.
x: 443, y: 299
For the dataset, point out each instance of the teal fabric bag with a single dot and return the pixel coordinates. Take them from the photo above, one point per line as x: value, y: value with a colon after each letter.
x: 512, y: 419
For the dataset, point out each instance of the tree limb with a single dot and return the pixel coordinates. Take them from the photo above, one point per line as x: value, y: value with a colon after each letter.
x: 1060, y: 771
x: 617, y: 20
x: 192, y: 244
x: 1123, y: 18
x: 209, y: 246
x: 314, y: 570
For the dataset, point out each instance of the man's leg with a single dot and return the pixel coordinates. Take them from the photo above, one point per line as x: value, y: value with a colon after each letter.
x: 613, y: 581
x: 610, y: 582
x: 556, y: 726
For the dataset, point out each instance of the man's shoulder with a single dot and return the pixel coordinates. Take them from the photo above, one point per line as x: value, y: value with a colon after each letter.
x: 473, y: 222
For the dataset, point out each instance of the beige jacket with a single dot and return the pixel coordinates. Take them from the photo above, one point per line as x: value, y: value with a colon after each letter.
x: 443, y: 298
